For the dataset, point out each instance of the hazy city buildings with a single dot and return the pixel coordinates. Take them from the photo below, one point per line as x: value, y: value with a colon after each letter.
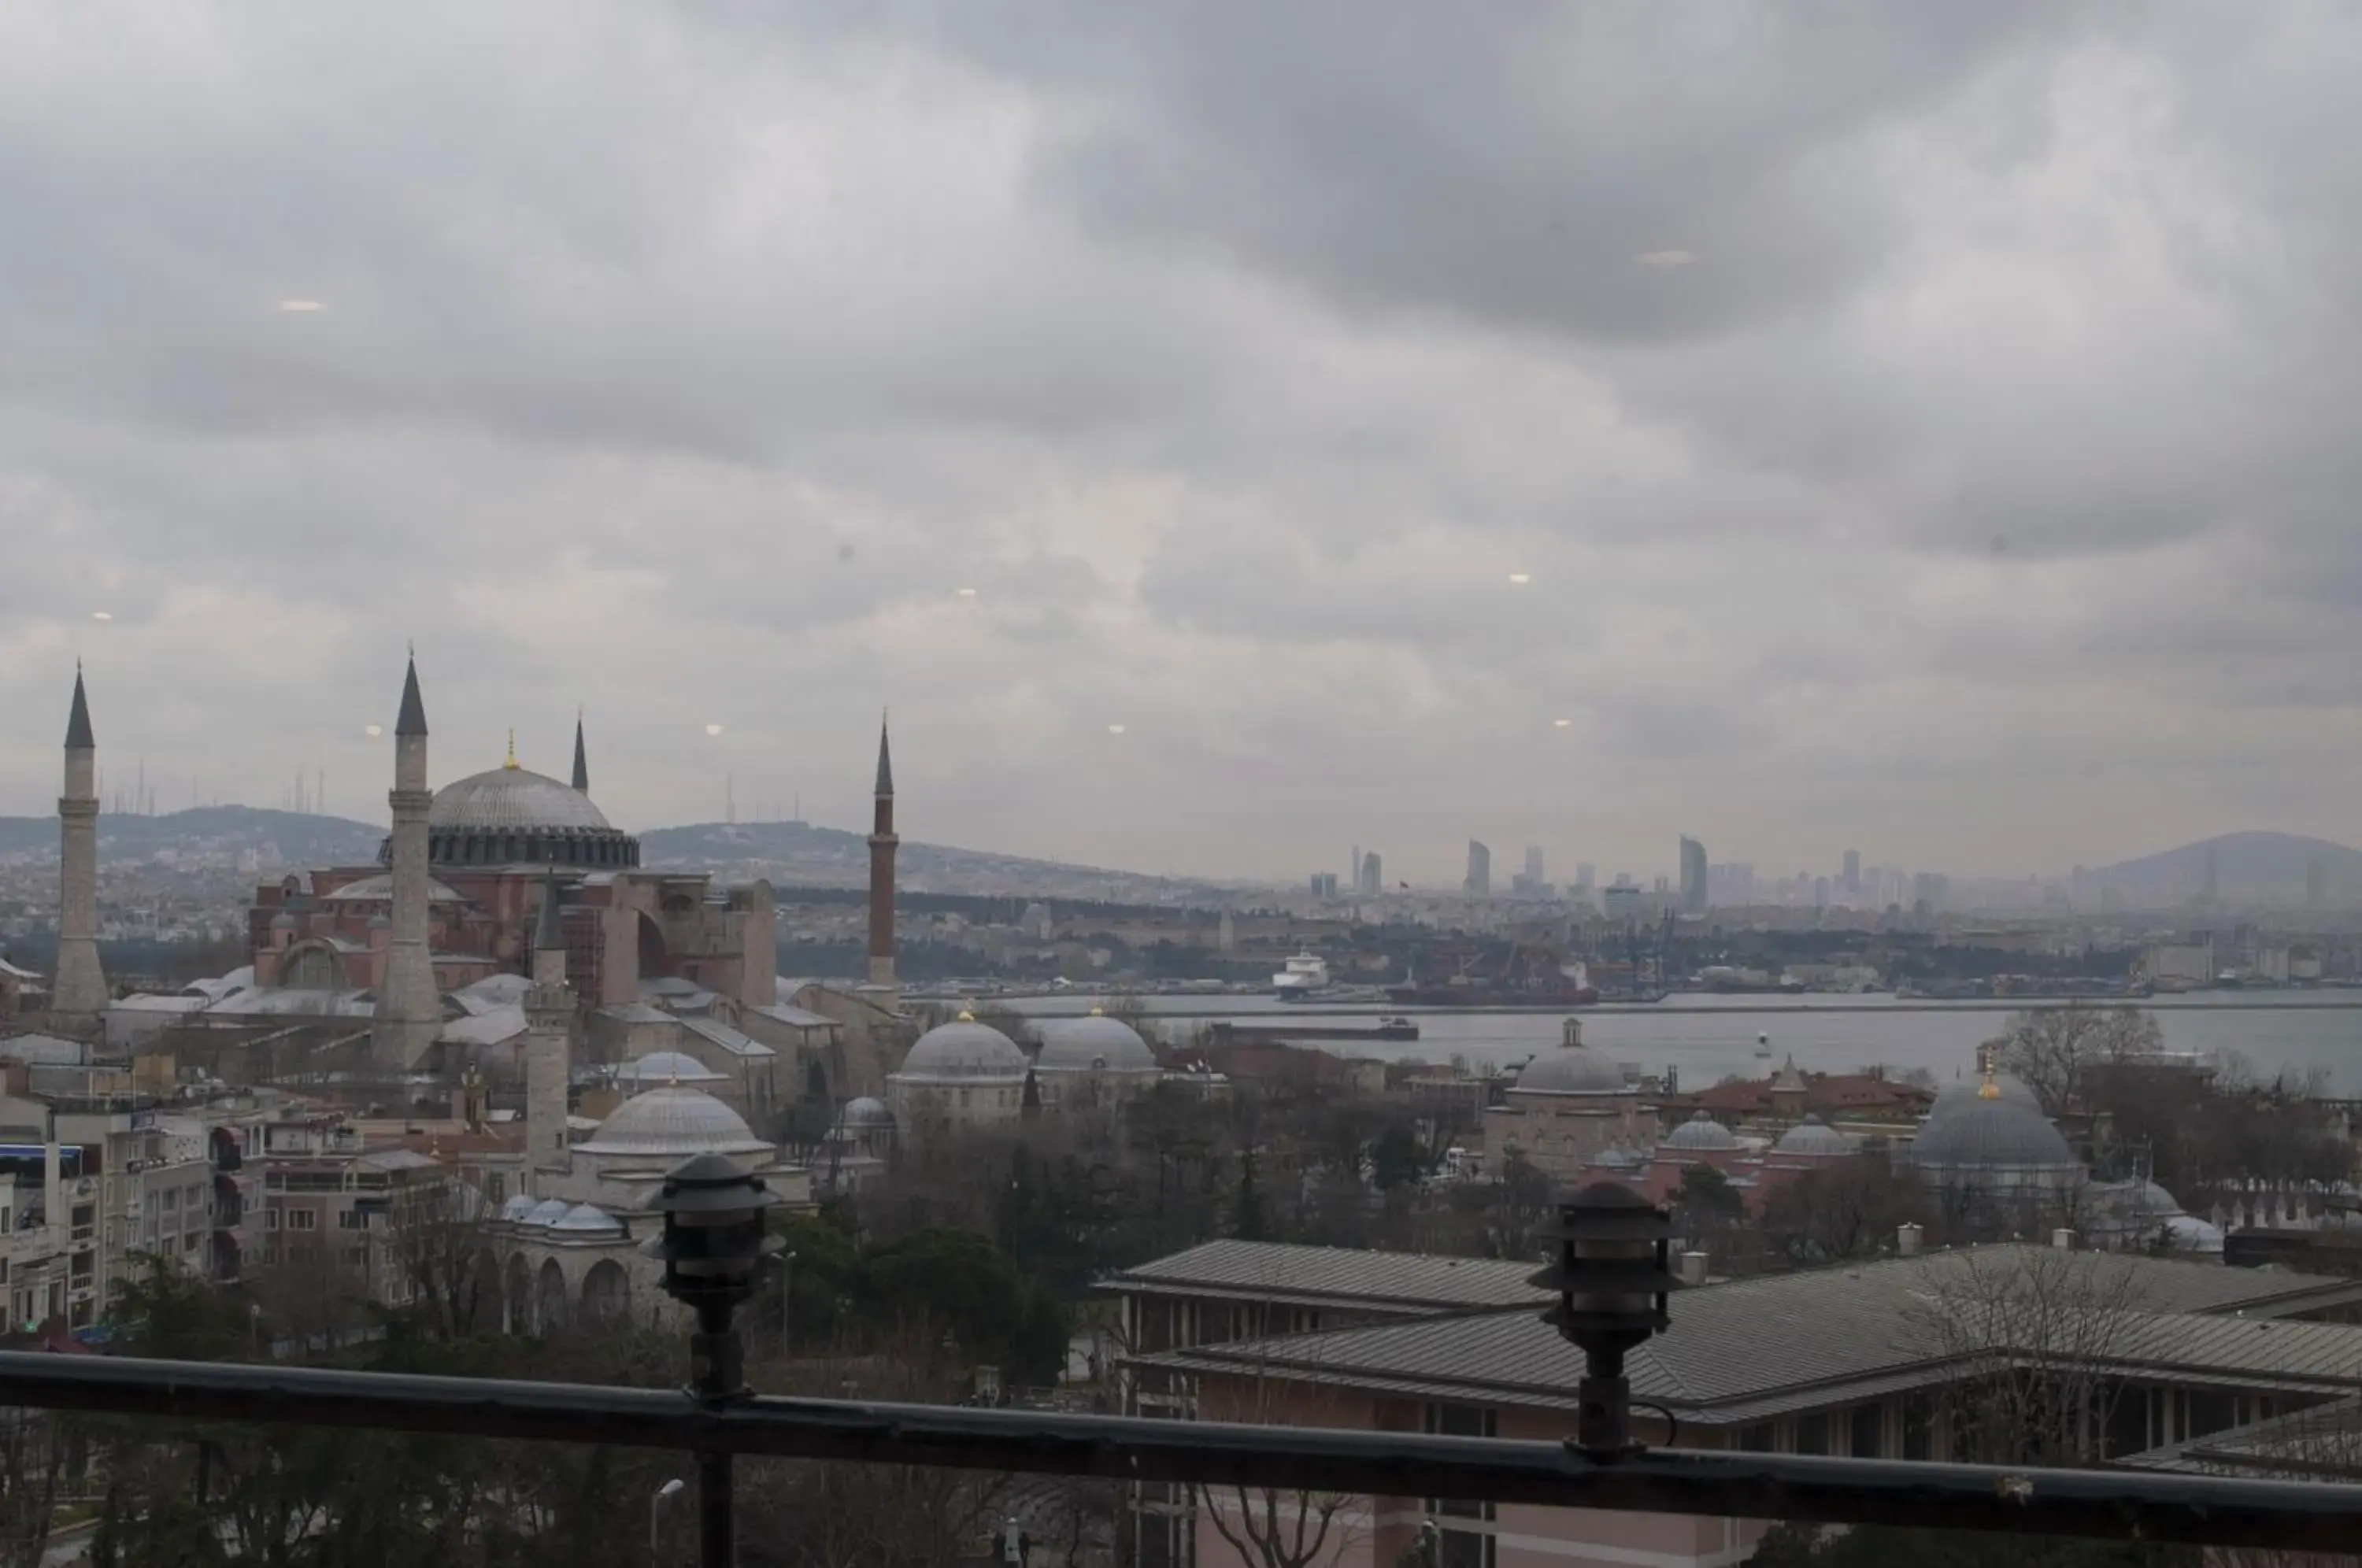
x: 1693, y: 878
x: 1372, y: 874
x: 1478, y: 883
x: 1853, y: 873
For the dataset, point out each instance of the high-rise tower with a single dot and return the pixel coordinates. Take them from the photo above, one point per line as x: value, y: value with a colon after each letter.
x: 78, y: 996
x: 548, y: 1042
x: 409, y: 1004
x: 882, y: 844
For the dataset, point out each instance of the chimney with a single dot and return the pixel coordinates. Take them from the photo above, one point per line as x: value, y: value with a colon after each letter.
x: 2063, y: 1239
x: 1907, y: 1239
x: 1690, y: 1268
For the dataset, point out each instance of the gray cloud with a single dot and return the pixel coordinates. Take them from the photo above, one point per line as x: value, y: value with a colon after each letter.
x: 1978, y: 488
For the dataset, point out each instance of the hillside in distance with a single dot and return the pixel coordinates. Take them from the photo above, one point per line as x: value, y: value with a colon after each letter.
x: 789, y: 854
x: 2247, y: 865
x: 795, y: 854
x: 208, y: 833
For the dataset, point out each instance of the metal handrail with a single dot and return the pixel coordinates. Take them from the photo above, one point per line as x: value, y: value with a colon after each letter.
x: 2208, y: 1510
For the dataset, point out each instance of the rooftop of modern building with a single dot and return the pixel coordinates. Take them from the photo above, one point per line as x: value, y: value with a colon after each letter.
x: 1744, y: 1350
x: 1283, y: 1271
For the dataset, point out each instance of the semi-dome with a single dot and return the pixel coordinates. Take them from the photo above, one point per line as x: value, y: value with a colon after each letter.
x: 518, y: 1206
x: 965, y: 1050
x: 673, y: 1122
x: 1812, y: 1136
x: 584, y: 1219
x: 512, y: 815
x: 1997, y: 1143
x: 1703, y: 1134
x: 1096, y: 1044
x: 1570, y: 1069
x: 658, y: 1067
x: 547, y: 1213
x: 1969, y: 1091
x: 864, y: 1111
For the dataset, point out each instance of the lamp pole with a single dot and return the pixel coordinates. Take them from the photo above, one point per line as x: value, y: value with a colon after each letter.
x: 656, y: 1501
x: 1609, y: 1270
x: 712, y: 1246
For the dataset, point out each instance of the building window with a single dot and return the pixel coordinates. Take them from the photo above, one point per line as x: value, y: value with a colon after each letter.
x: 172, y: 1199
x: 1756, y: 1438
x: 1466, y: 1536
x: 352, y: 1219
x: 1869, y: 1432
x: 271, y: 1218
x: 1813, y: 1433
x: 303, y: 1220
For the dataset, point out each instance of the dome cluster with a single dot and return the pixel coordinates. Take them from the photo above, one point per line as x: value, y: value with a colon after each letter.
x: 964, y: 1050
x: 579, y: 1220
x: 1703, y: 1134
x: 1094, y: 1044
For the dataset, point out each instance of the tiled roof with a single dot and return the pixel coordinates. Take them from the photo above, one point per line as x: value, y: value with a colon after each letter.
x: 728, y: 1039
x: 1742, y: 1349
x: 1273, y: 1270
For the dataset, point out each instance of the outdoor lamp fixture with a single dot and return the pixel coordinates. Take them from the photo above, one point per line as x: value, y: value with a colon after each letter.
x: 712, y: 1246
x: 1611, y: 1277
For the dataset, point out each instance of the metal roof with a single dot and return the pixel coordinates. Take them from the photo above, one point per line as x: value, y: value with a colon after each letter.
x: 720, y: 1034
x: 1747, y: 1348
x: 1278, y: 1270
x: 794, y: 1017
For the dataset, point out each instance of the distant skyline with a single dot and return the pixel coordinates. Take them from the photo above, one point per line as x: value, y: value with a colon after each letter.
x: 1219, y: 434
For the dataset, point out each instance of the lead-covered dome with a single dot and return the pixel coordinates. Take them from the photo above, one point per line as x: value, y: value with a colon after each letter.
x: 659, y: 1068
x: 1570, y: 1069
x: 673, y: 1122
x: 515, y: 817
x: 1703, y: 1134
x: 1995, y: 1144
x: 1095, y: 1044
x: 1968, y: 1092
x: 964, y: 1050
x: 1812, y: 1136
x: 862, y: 1111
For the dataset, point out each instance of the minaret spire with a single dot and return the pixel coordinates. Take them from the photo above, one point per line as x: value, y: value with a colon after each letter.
x: 78, y: 994
x: 581, y: 758
x: 409, y: 1003
x: 548, y: 1043
x: 882, y: 846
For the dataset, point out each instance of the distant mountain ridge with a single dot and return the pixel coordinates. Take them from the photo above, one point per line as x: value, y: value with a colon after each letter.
x: 293, y: 838
x: 2247, y: 864
x: 788, y: 852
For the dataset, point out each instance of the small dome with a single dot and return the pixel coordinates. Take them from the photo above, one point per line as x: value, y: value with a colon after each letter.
x: 1702, y: 1132
x: 1096, y: 1043
x: 864, y: 1111
x: 674, y: 1122
x: 964, y: 1049
x: 1996, y: 1138
x: 584, y: 1219
x: 1570, y: 1069
x: 1812, y: 1136
x: 660, y: 1067
x: 505, y: 799
x: 516, y: 1208
x: 1969, y: 1091
x: 547, y: 1213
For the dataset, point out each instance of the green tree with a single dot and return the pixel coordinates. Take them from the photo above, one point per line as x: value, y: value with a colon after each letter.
x: 820, y: 1265
x: 1250, y: 1221
x: 1396, y: 1160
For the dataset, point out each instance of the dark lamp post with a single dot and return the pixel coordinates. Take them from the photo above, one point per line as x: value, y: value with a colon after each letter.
x: 1610, y: 1268
x: 714, y: 1246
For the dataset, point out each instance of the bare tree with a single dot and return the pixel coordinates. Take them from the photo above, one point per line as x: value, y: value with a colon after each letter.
x: 1276, y: 1526
x: 435, y: 1244
x: 2050, y: 1049
x: 2035, y: 1332
x: 2323, y: 1444
x: 32, y: 1463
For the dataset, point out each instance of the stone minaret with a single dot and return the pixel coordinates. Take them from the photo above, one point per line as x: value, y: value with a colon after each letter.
x: 549, y: 1045
x: 409, y: 1004
x: 581, y: 760
x: 78, y: 997
x: 882, y: 844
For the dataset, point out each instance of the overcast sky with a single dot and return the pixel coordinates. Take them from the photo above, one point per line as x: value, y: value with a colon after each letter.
x: 1927, y: 429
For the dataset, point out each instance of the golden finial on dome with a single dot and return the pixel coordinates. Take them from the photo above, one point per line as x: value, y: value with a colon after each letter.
x: 512, y: 762
x: 1098, y: 1012
x: 966, y: 1017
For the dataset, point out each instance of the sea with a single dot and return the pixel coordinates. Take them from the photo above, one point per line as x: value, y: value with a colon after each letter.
x: 1706, y: 1039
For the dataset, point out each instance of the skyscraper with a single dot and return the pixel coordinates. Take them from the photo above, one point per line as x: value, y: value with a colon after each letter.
x: 1853, y: 873
x: 1692, y: 876
x: 1586, y: 875
x: 1534, y: 864
x: 1479, y: 884
x: 1373, y: 872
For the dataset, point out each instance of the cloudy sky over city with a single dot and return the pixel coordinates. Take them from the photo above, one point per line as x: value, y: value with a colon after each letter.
x: 1222, y: 433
